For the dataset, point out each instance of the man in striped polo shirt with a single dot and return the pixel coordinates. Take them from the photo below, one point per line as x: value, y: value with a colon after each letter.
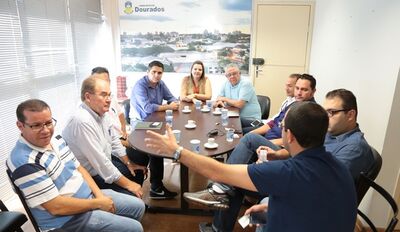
x: 59, y: 191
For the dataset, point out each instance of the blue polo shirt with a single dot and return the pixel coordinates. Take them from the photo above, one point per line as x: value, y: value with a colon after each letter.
x: 352, y: 150
x: 243, y: 90
x: 146, y: 99
x: 312, y: 191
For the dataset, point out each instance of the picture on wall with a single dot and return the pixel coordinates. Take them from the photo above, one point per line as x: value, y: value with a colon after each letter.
x: 178, y: 32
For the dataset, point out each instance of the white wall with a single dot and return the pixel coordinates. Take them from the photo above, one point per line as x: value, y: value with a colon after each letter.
x: 356, y: 45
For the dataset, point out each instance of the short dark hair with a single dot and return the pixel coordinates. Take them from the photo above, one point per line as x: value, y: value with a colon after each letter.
x: 100, y: 70
x: 33, y: 105
x: 155, y: 63
x: 295, y: 75
x: 202, y: 65
x: 310, y: 78
x: 349, y: 101
x: 308, y: 122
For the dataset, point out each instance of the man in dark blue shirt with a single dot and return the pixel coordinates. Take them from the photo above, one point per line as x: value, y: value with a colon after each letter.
x: 301, y: 190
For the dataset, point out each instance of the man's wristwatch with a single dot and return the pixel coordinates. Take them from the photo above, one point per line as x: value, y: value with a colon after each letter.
x: 177, y: 154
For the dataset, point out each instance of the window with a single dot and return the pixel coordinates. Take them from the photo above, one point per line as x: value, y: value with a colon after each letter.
x: 44, y: 53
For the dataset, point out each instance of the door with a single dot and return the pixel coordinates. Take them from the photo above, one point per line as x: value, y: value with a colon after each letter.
x: 281, y: 36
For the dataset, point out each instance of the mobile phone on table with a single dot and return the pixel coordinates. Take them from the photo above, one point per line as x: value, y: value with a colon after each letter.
x: 255, y: 123
x: 258, y: 218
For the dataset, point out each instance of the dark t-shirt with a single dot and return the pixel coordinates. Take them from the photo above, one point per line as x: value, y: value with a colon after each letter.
x: 312, y: 191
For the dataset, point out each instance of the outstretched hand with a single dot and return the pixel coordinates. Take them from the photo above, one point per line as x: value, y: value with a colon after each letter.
x: 164, y: 145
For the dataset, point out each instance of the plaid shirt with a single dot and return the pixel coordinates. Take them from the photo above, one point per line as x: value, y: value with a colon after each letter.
x: 121, y: 88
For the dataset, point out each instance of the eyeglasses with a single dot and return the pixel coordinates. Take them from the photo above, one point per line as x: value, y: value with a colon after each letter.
x: 231, y: 74
x: 332, y: 112
x: 38, y: 127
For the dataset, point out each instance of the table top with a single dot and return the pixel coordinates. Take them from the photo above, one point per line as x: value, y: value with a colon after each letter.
x: 205, y: 122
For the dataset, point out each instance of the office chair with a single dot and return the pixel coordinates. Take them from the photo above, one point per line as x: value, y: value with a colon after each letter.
x: 22, y: 198
x: 10, y: 221
x: 372, y: 173
x: 365, y: 181
x: 265, y: 104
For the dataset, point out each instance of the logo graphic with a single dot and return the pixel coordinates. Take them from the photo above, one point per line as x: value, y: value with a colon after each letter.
x: 128, y: 7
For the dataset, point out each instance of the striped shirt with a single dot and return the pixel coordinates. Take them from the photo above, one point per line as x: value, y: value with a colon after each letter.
x: 44, y: 174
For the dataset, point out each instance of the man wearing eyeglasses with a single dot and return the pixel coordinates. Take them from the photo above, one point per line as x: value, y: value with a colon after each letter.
x: 344, y: 138
x: 90, y: 136
x: 60, y: 192
x: 240, y: 94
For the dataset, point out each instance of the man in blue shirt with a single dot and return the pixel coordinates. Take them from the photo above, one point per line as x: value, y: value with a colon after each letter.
x: 59, y: 191
x: 147, y: 97
x: 239, y: 93
x: 245, y: 151
x: 303, y: 191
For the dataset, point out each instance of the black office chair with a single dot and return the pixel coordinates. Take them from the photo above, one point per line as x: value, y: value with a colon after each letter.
x: 265, y: 104
x: 127, y: 107
x: 11, y: 221
x: 22, y: 198
x: 372, y: 173
x: 365, y: 181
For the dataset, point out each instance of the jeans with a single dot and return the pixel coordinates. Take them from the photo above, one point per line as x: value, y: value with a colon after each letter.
x: 224, y: 220
x: 128, y: 214
x: 244, y: 153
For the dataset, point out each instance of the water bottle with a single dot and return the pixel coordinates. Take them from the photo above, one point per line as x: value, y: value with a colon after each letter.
x: 224, y: 117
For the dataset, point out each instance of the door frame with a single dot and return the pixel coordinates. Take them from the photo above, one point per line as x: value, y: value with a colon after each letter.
x: 253, y: 41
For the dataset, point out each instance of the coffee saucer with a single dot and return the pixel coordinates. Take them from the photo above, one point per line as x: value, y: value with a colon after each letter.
x: 217, y: 112
x: 205, y: 110
x: 190, y: 126
x: 186, y: 111
x: 211, y: 146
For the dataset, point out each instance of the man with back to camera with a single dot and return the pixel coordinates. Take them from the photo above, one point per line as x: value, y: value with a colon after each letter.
x: 344, y: 139
x: 60, y: 193
x: 297, y: 187
x: 147, y: 97
x: 239, y: 93
x: 118, y: 122
x: 89, y: 135
x: 219, y: 194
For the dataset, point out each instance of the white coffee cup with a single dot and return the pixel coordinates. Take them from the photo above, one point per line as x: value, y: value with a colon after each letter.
x: 177, y: 134
x: 205, y: 107
x: 211, y: 141
x: 217, y: 109
x: 195, y: 144
x: 186, y: 108
x: 191, y: 122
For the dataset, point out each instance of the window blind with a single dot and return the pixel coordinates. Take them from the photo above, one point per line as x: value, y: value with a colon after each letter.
x: 39, y: 49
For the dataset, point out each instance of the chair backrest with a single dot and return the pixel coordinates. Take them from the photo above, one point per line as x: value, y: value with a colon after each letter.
x: 9, y: 220
x: 265, y: 104
x: 372, y: 173
x: 22, y: 198
x: 364, y: 180
x: 127, y: 107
